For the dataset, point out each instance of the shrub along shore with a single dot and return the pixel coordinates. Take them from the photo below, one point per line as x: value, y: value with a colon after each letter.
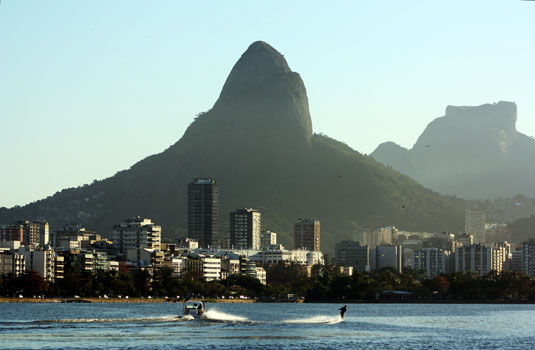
x: 285, y: 283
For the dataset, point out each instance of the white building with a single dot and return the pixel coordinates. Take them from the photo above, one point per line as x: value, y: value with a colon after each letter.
x: 261, y: 275
x: 42, y: 261
x: 302, y: 257
x: 211, y: 268
x: 479, y: 259
x: 188, y: 243
x: 137, y: 233
x: 145, y: 257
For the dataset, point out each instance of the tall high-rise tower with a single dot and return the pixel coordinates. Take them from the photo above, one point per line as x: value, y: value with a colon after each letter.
x: 203, y: 211
x: 474, y: 223
x: 307, y: 234
x: 245, y: 229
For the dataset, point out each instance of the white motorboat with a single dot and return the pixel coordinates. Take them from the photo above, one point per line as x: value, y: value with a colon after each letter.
x: 196, y: 309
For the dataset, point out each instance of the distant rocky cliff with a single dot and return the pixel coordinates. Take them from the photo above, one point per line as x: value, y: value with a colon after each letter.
x: 471, y: 152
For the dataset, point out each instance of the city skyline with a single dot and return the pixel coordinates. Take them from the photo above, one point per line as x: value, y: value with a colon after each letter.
x: 82, y: 81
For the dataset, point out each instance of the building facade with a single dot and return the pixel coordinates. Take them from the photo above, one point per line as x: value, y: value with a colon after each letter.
x: 268, y: 239
x: 354, y: 254
x: 373, y: 238
x: 389, y: 256
x: 474, y: 223
x: 137, y: 233
x: 245, y: 225
x: 479, y: 259
x: 465, y: 238
x: 203, y: 211
x: 11, y: 232
x: 525, y: 258
x: 307, y: 234
x: 41, y: 261
x: 433, y: 261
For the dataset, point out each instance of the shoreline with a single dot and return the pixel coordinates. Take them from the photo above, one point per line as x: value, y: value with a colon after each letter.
x: 247, y: 301
x: 115, y: 300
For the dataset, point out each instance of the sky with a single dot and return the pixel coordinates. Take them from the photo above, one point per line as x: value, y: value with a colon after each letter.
x: 88, y: 88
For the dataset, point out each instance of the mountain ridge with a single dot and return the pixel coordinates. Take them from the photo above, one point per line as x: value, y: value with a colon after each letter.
x: 257, y: 143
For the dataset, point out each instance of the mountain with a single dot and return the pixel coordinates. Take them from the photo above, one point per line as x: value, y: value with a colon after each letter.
x: 471, y: 152
x: 257, y: 143
x: 522, y: 229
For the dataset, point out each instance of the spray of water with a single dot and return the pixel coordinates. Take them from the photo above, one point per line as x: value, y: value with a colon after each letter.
x: 170, y: 318
x: 215, y: 315
x: 317, y: 320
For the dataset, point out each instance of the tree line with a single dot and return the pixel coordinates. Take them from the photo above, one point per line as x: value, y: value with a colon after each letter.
x: 284, y: 282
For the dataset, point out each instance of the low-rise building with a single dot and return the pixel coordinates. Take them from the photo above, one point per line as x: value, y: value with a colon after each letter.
x: 202, y: 266
x: 41, y: 261
x: 176, y: 264
x: 187, y: 243
x: 433, y: 261
x: 268, y: 239
x: 144, y: 257
x: 260, y: 274
x: 211, y: 268
x: 6, y: 261
x: 137, y: 233
x: 230, y: 265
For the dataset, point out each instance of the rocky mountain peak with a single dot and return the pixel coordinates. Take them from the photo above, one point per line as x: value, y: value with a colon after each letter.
x: 259, y: 62
x: 500, y: 115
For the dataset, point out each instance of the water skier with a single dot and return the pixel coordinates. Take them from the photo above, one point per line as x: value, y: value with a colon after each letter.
x: 342, y: 311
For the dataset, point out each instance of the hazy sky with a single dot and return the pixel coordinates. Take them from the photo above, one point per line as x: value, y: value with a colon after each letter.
x: 88, y: 88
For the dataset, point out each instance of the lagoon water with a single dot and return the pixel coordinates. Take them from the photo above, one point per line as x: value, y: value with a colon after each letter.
x: 267, y: 326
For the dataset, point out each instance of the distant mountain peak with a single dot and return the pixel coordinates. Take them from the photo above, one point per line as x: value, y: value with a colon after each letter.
x: 471, y: 151
x: 500, y: 115
x: 259, y: 62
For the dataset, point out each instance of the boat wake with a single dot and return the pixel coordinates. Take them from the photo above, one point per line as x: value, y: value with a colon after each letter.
x: 316, y: 320
x: 170, y: 318
x: 214, y: 315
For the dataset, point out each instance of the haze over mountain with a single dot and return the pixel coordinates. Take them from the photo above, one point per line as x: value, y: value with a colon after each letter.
x: 471, y: 152
x: 257, y: 143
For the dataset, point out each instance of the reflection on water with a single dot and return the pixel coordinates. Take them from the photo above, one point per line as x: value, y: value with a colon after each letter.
x: 318, y: 326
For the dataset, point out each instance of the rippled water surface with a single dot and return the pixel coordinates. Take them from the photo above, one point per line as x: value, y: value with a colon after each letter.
x: 250, y: 326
